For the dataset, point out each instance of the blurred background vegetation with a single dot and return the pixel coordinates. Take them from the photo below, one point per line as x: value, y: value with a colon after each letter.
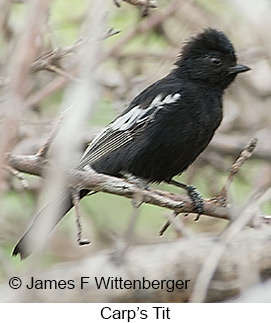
x: 142, y: 52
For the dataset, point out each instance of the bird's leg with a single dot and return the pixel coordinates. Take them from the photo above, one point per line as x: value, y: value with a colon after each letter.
x: 196, y: 198
x: 75, y: 201
x: 194, y: 194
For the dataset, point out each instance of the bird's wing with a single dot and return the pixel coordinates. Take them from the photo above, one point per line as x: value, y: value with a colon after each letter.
x: 123, y: 129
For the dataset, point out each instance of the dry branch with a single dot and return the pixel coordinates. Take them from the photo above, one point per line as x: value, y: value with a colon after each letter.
x: 93, y: 181
x: 103, y: 183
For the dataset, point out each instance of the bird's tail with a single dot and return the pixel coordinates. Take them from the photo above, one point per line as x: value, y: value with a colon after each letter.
x: 44, y: 222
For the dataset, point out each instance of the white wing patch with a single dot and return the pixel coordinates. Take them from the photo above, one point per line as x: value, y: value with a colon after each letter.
x: 125, y: 121
x: 171, y: 98
x: 119, y: 132
x: 137, y: 114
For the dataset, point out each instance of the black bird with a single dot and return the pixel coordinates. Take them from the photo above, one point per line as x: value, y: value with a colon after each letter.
x: 166, y: 126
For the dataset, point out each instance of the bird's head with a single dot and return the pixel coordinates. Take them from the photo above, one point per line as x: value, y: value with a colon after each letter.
x: 210, y: 57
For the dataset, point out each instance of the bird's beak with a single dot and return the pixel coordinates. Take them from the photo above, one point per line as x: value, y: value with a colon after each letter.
x: 238, y: 68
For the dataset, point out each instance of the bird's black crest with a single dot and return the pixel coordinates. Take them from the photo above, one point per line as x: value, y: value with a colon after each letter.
x: 210, y: 40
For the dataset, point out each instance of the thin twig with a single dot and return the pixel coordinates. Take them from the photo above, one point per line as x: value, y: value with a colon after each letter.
x: 61, y: 72
x: 75, y: 201
x: 167, y: 225
x: 143, y: 27
x: 178, y: 226
x: 50, y: 60
x: 111, y: 32
x: 54, y: 56
x: 117, y: 3
x: 44, y: 149
x: 55, y: 85
x: 241, y: 159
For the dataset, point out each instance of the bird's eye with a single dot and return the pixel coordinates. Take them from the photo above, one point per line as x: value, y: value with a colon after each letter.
x: 215, y: 61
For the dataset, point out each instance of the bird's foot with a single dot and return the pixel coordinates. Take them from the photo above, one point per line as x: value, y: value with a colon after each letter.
x: 197, y: 200
x: 194, y: 195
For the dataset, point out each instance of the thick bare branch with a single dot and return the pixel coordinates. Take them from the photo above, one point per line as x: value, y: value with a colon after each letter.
x: 104, y: 183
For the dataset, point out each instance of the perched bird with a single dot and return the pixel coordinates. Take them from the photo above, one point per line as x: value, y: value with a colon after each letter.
x: 166, y: 126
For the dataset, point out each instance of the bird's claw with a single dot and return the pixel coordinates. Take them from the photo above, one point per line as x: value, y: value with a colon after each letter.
x: 84, y: 242
x: 197, y: 200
